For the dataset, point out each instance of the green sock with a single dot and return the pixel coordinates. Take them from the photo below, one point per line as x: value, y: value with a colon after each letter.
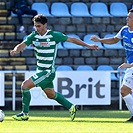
x: 26, y: 97
x: 61, y: 99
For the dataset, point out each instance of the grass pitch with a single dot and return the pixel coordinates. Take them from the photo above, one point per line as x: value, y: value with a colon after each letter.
x: 90, y: 121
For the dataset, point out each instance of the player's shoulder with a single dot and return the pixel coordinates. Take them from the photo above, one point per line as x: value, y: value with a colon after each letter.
x: 56, y: 33
x: 125, y: 27
x: 126, y: 30
x: 34, y: 33
x: 53, y: 32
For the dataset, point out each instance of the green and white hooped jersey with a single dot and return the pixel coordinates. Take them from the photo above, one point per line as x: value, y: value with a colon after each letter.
x: 45, y: 48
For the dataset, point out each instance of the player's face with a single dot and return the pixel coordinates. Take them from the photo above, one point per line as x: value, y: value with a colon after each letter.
x: 130, y: 19
x: 40, y: 28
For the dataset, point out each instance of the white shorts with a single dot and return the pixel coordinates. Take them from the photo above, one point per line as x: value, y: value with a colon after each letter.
x: 128, y: 78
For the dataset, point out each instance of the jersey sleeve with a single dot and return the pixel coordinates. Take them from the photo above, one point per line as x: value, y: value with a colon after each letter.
x: 59, y: 37
x: 119, y: 34
x: 29, y: 39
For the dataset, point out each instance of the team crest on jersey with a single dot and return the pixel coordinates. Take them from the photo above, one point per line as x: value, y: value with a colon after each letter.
x: 48, y: 40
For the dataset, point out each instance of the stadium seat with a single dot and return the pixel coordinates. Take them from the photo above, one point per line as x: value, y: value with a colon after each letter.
x: 107, y: 68
x: 87, y: 40
x: 20, y: 67
x: 79, y: 9
x: 59, y: 9
x: 99, y: 9
x: 10, y: 35
x: 70, y: 45
x: 118, y: 45
x: 41, y: 8
x: 84, y: 68
x: 1, y: 36
x: 118, y: 9
x: 64, y: 68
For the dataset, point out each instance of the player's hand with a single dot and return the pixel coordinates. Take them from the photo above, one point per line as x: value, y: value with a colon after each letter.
x: 94, y: 46
x: 13, y: 52
x: 94, y: 38
x: 124, y: 65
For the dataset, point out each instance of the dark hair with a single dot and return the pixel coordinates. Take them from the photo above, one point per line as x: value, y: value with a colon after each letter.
x: 40, y: 18
x: 131, y: 10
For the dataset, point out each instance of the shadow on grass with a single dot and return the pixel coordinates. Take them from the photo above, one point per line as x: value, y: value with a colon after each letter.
x: 101, y: 121
x: 83, y: 114
x: 68, y: 121
x: 80, y: 114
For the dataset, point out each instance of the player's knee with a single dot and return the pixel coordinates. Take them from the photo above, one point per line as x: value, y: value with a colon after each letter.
x: 125, y: 91
x: 50, y: 96
x: 24, y: 85
x: 122, y: 92
x: 27, y: 84
x: 50, y: 93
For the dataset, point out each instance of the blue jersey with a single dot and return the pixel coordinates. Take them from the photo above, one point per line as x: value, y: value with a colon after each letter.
x: 127, y: 37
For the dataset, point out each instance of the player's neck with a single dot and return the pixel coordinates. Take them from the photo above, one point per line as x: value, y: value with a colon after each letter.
x: 44, y: 32
x: 131, y: 28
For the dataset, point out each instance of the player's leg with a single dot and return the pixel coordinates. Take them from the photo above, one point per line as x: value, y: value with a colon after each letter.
x: 127, y: 97
x: 26, y: 97
x: 67, y: 104
x: 45, y: 81
x: 61, y: 100
x: 58, y: 97
x: 126, y: 92
x: 29, y: 11
x: 20, y: 19
x: 19, y: 14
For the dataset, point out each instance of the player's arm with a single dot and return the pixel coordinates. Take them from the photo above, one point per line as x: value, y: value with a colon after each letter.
x: 111, y: 40
x: 125, y: 65
x: 80, y: 42
x: 18, y: 48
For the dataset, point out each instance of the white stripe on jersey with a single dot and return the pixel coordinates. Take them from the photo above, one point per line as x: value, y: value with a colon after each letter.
x: 44, y: 51
x: 52, y: 43
x: 43, y: 65
x: 43, y: 37
x: 38, y: 71
x: 44, y: 58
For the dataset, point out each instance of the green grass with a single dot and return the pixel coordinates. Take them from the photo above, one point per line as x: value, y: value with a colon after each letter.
x: 59, y: 122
